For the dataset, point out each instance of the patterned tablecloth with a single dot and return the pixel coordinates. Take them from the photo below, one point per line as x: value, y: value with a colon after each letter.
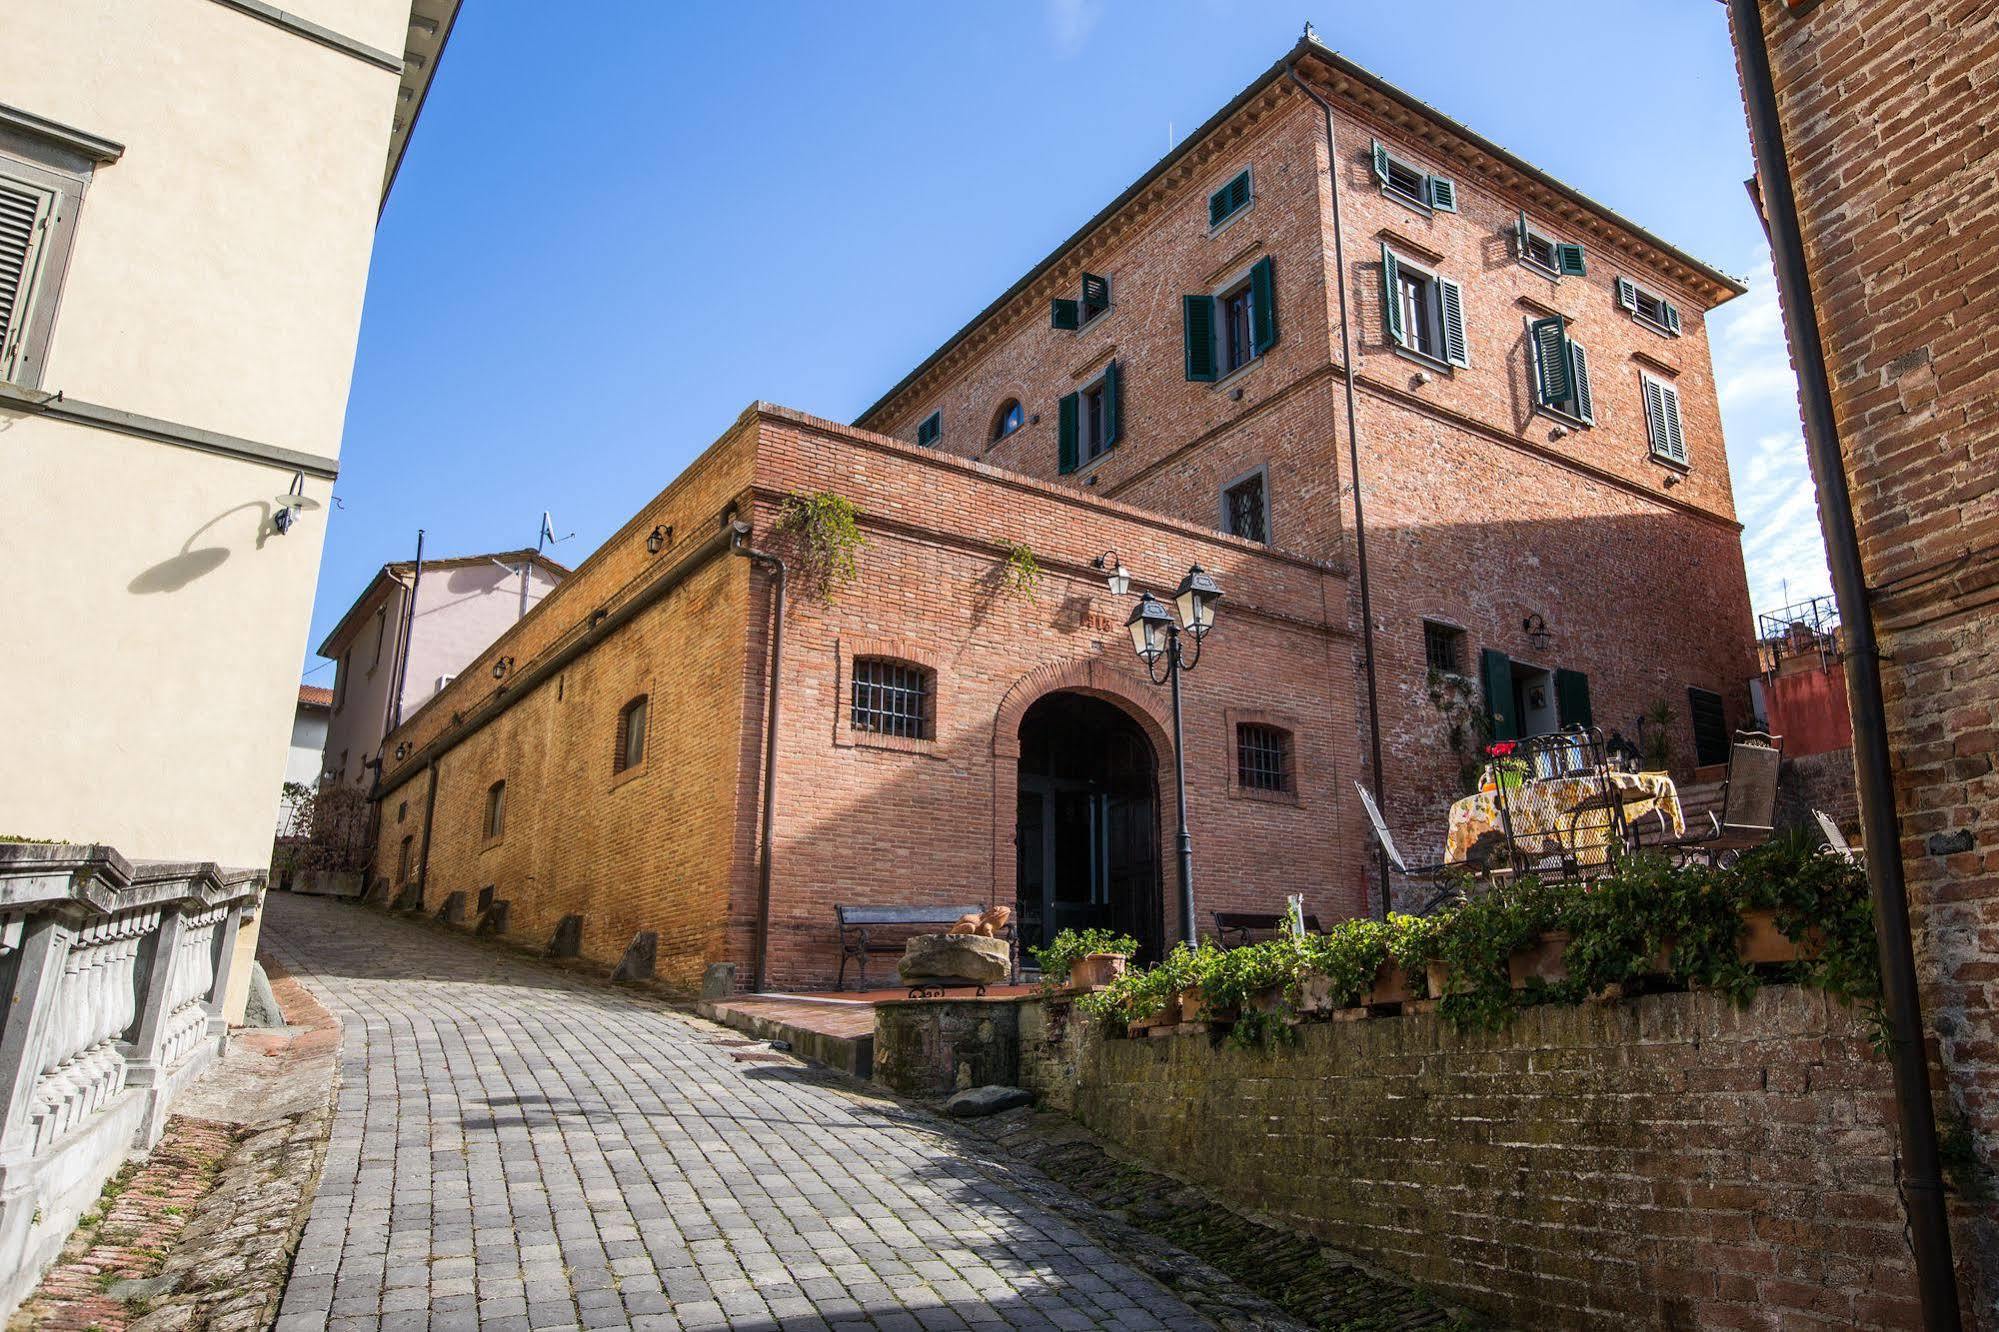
x: 1564, y: 815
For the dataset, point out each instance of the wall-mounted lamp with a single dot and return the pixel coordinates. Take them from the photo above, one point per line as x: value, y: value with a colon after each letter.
x: 1116, y: 576
x: 1537, y: 630
x: 286, y: 508
x: 402, y: 751
x: 501, y: 666
x: 658, y: 538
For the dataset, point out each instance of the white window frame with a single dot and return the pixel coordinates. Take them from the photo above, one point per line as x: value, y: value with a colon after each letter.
x: 1239, y: 282
x: 58, y: 178
x: 1260, y: 473
x: 1433, y: 304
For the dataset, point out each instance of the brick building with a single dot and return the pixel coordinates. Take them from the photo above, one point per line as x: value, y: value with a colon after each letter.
x: 1884, y: 109
x: 1551, y: 540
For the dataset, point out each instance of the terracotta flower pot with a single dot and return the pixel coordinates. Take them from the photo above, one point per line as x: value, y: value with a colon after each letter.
x: 1315, y: 994
x: 1439, y: 977
x: 1095, y: 970
x: 1761, y: 941
x: 1193, y: 1008
x: 1391, y: 986
x: 1541, y: 960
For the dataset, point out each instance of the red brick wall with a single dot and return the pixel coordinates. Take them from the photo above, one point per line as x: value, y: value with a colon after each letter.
x: 1886, y: 109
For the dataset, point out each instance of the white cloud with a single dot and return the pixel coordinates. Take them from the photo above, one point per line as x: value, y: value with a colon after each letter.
x: 1070, y: 23
x: 1772, y: 481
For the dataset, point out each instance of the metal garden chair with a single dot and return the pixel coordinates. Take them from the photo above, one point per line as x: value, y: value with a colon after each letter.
x: 1748, y: 815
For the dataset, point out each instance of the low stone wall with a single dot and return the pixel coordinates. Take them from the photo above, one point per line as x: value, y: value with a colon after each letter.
x: 1667, y: 1162
x: 933, y: 1047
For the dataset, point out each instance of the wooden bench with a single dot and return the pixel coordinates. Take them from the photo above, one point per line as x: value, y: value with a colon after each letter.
x: 1233, y: 928
x: 860, y: 926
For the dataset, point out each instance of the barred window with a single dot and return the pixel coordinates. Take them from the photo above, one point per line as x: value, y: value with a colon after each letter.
x: 631, y: 735
x: 1263, y: 757
x: 892, y: 698
x: 1444, y: 648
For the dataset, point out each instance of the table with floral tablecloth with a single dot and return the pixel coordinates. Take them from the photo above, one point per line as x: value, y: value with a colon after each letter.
x: 1567, y: 816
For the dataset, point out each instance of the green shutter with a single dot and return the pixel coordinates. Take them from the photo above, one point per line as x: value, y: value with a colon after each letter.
x: 1572, y: 698
x: 1197, y: 321
x: 1672, y: 316
x: 1451, y: 297
x: 1520, y: 235
x: 1067, y: 417
x: 1579, y: 372
x: 1549, y: 348
x: 1569, y: 260
x: 1096, y: 295
x: 1062, y: 314
x: 1239, y: 192
x: 1496, y: 670
x: 1391, y: 297
x: 932, y: 427
x: 1443, y: 194
x: 1380, y: 162
x: 1229, y: 200
x: 1655, y: 415
x: 1113, y: 403
x: 1627, y: 294
x: 1263, y: 306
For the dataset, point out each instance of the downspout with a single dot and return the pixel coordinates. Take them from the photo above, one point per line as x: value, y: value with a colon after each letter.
x: 403, y: 645
x: 1922, y: 1185
x: 739, y: 534
x: 1353, y: 468
x: 423, y: 851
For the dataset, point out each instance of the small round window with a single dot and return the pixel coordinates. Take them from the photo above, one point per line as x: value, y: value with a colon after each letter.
x: 1007, y: 419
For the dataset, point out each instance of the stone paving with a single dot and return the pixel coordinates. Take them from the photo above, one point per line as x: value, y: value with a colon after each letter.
x: 513, y: 1148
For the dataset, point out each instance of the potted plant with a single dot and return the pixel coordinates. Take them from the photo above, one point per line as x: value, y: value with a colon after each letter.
x: 1084, y: 960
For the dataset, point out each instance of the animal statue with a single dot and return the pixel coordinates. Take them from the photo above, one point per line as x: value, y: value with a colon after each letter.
x: 986, y: 923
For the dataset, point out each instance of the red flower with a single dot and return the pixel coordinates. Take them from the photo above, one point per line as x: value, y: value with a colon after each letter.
x: 1499, y: 749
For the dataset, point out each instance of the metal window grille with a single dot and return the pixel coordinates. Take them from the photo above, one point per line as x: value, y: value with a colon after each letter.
x: 1246, y: 510
x: 1443, y: 648
x: 1263, y: 758
x: 891, y: 698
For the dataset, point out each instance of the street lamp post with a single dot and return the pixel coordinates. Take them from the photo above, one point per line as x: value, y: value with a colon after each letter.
x: 1156, y: 637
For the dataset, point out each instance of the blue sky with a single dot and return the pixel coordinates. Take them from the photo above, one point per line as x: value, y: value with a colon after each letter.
x: 612, y: 234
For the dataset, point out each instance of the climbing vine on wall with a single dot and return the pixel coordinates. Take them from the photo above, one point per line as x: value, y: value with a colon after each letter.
x: 828, y: 527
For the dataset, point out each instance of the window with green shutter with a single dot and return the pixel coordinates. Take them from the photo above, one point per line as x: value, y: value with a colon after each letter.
x: 933, y: 426
x: 1662, y: 420
x: 1648, y: 307
x: 1095, y: 298
x: 1230, y: 199
x: 1225, y: 331
x: 1068, y: 415
x: 1064, y: 314
x: 1555, y: 258
x: 1405, y: 181
x: 1423, y: 312
x: 1561, y: 370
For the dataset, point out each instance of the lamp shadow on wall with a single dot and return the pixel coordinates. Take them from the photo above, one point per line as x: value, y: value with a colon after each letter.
x: 193, y: 562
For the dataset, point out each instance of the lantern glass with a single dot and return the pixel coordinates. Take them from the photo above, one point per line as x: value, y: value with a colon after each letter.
x: 1196, y: 601
x: 1150, y: 625
x: 1119, y: 580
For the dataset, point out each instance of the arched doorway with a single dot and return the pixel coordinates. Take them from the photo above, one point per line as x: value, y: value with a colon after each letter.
x: 1087, y: 834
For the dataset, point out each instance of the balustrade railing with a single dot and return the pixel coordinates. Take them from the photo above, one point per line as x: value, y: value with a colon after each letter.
x: 115, y: 975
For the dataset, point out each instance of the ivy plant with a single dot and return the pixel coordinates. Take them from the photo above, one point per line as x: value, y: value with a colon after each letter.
x: 1061, y: 954
x: 828, y: 527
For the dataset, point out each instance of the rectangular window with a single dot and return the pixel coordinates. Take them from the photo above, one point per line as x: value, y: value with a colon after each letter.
x: 1229, y: 200
x: 932, y: 427
x: 1090, y: 421
x: 1662, y: 419
x: 403, y: 860
x: 1263, y: 757
x: 631, y: 735
x: 381, y: 635
x: 1553, y: 257
x: 1404, y: 181
x: 340, y: 681
x: 1096, y: 296
x: 1560, y: 369
x: 1425, y: 313
x: 891, y: 698
x: 1648, y: 308
x: 38, y: 204
x: 1443, y: 648
x: 1245, y: 508
x: 1227, y: 330
x: 496, y: 810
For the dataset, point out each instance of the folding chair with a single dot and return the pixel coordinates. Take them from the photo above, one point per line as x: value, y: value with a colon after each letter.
x: 1835, y: 840
x: 1748, y: 801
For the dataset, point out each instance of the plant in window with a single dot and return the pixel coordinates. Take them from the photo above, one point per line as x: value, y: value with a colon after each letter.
x: 1019, y: 572
x: 828, y: 527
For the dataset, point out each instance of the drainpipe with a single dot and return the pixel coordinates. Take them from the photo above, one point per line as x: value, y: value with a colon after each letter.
x: 403, y: 645
x: 1922, y: 1185
x: 739, y: 535
x: 1353, y: 468
x: 423, y: 851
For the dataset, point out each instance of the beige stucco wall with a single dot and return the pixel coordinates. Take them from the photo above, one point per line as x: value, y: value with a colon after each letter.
x: 155, y: 621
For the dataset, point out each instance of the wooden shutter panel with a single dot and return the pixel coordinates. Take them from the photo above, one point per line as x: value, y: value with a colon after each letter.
x: 24, y: 220
x: 1655, y: 415
x: 1096, y: 295
x: 1239, y: 193
x: 1062, y: 314
x: 1443, y: 194
x: 1627, y: 294
x: 1451, y: 297
x: 1548, y: 347
x: 1520, y: 236
x: 1197, y: 321
x: 1113, y: 403
x: 1569, y: 260
x: 932, y: 427
x: 1672, y: 312
x: 1067, y: 419
x: 1572, y: 698
x: 1579, y: 370
x: 1263, y: 306
x: 1495, y: 670
x: 1669, y: 413
x: 1391, y: 297
x: 1380, y: 162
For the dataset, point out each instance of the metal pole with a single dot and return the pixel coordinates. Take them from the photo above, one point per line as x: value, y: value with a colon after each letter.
x: 1188, y: 932
x: 1922, y: 1183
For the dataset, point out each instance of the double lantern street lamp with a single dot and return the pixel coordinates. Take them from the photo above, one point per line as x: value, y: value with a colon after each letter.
x: 1157, y: 638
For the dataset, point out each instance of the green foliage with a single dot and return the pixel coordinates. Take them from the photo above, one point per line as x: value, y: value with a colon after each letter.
x: 1658, y: 736
x: 829, y: 528
x: 1057, y: 957
x: 1650, y: 922
x: 1020, y: 573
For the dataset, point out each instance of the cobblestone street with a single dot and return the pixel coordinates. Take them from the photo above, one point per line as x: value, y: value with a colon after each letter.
x: 514, y: 1149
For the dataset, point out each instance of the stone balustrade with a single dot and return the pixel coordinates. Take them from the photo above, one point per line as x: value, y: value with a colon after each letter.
x: 115, y: 975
